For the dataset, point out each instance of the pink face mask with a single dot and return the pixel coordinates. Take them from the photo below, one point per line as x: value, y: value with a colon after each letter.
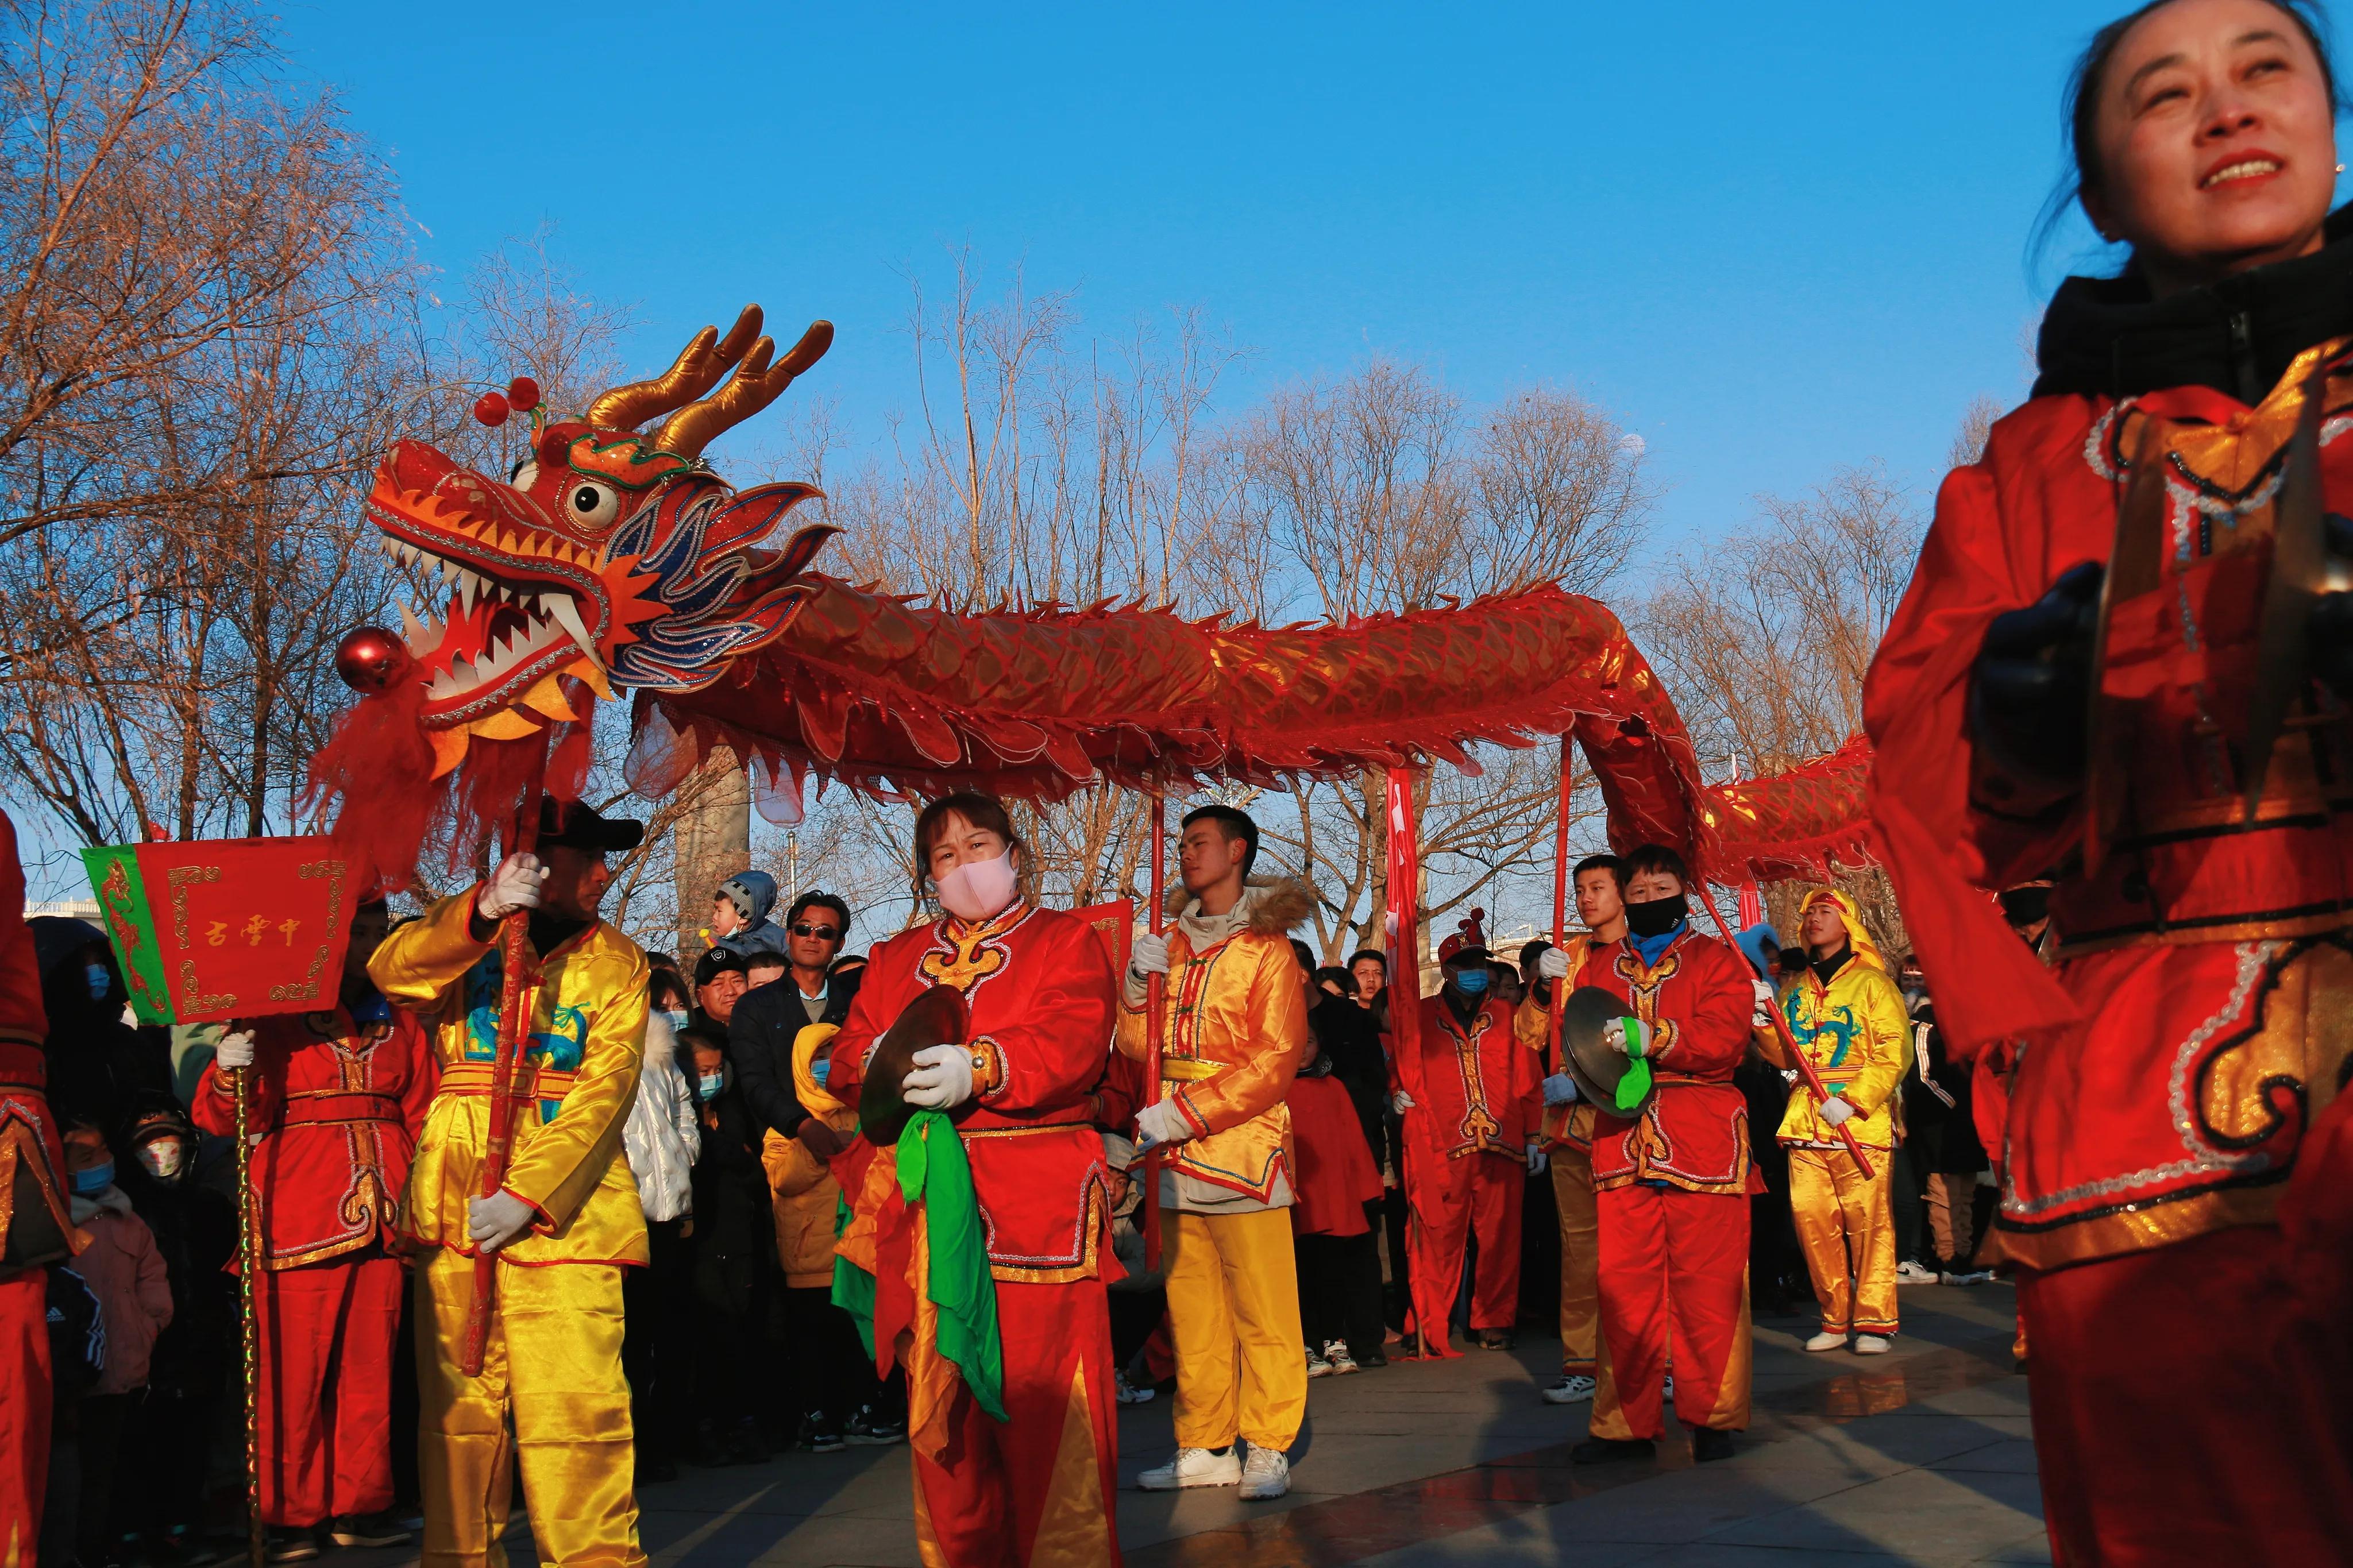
x: 978, y: 888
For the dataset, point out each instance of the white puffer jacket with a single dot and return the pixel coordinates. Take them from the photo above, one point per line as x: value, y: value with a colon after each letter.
x: 663, y: 1136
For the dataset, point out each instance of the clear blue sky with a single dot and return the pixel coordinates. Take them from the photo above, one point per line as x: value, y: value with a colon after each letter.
x: 1773, y: 239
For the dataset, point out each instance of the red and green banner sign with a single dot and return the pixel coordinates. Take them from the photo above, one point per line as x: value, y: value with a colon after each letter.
x: 229, y: 927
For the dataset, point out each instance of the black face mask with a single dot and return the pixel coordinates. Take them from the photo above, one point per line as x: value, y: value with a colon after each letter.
x: 1656, y: 917
x: 2025, y: 906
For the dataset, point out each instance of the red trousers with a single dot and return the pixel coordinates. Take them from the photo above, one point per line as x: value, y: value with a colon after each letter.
x: 1674, y: 1268
x: 1451, y: 1200
x: 1038, y: 1488
x: 24, y: 1413
x: 2246, y: 1457
x: 327, y: 1333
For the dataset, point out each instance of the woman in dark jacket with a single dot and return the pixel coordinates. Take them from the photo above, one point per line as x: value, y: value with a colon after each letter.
x: 734, y: 1262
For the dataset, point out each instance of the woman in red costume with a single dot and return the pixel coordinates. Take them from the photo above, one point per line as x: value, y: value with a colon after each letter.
x: 2177, y: 1185
x: 1037, y: 1488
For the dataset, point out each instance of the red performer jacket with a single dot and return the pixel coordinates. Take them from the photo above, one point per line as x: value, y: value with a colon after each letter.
x: 29, y: 1132
x: 339, y: 1107
x: 2166, y: 1075
x: 1042, y: 992
x: 1333, y: 1164
x: 1474, y: 1087
x: 1696, y: 1002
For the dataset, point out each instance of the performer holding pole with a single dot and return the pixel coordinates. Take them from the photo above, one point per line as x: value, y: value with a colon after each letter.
x: 560, y: 1225
x: 2121, y: 663
x: 1229, y: 1049
x: 325, y: 1107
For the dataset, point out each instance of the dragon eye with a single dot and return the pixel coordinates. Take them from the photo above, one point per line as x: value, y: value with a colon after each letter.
x: 590, y: 504
x: 525, y: 475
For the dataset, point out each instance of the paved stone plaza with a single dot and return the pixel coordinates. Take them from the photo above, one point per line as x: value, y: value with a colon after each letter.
x: 1921, y: 1456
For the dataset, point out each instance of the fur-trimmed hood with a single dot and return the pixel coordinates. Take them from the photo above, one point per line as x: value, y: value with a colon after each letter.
x: 1274, y: 904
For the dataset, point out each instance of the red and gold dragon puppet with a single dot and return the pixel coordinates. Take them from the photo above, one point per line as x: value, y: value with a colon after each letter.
x: 614, y: 557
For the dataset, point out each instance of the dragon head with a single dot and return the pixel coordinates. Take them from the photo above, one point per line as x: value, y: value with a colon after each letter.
x: 609, y: 556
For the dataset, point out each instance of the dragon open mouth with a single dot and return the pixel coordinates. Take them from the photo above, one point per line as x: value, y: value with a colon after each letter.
x: 525, y: 604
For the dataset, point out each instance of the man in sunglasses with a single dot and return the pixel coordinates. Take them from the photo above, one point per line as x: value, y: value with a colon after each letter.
x: 770, y: 1017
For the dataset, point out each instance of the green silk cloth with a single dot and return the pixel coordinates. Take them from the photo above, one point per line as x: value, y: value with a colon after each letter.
x: 934, y: 1175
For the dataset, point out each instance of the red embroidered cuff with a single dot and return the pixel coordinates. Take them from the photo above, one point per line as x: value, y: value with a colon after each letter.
x: 987, y: 1067
x: 1182, y: 1100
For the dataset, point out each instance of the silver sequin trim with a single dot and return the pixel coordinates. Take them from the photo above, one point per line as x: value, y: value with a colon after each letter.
x: 2253, y: 956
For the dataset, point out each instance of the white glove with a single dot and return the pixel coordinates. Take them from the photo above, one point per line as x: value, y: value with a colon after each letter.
x: 1400, y: 1102
x: 1560, y: 1089
x: 1762, y: 1018
x: 1552, y: 963
x: 1161, y: 1122
x: 1149, y: 954
x: 943, y: 1076
x: 1536, y: 1160
x: 234, y: 1051
x: 1835, y: 1111
x: 496, y: 1220
x: 514, y: 886
x: 1613, y: 1034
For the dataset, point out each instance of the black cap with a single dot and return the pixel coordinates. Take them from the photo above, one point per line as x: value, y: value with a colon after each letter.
x: 719, y: 960
x: 582, y: 828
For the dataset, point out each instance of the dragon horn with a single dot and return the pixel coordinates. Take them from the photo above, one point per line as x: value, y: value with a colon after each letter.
x: 706, y: 357
x: 754, y: 386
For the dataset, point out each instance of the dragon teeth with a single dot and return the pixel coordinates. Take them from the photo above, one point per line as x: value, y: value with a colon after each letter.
x: 561, y: 609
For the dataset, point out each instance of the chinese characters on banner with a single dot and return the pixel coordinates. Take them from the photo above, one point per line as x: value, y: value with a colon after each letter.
x: 211, y: 930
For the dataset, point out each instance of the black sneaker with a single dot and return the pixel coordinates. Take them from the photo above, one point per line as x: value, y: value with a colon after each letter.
x: 381, y: 1529
x: 1707, y: 1443
x: 872, y: 1427
x: 819, y: 1434
x: 1608, y: 1450
x: 653, y: 1471
x: 285, y: 1543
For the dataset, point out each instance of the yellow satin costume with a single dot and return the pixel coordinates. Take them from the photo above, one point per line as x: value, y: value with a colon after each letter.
x: 1237, y: 1023
x: 1858, y: 1034
x: 554, y: 1353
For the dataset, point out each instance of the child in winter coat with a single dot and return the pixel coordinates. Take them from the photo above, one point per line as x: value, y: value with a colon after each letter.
x: 126, y: 1273
x: 739, y: 915
x: 831, y: 1373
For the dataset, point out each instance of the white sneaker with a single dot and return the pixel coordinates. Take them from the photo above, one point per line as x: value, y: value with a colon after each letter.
x: 1193, y: 1467
x: 1667, y: 1389
x: 1335, y: 1353
x: 1977, y: 1277
x: 1574, y: 1389
x: 1829, y: 1340
x: 1873, y: 1344
x: 1316, y: 1365
x: 1910, y: 1273
x: 1266, y: 1475
x: 1131, y: 1395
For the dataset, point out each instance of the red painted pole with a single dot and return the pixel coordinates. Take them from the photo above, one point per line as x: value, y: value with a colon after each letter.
x: 1559, y: 900
x: 514, y: 952
x: 1157, y: 1012
x: 1797, y: 1057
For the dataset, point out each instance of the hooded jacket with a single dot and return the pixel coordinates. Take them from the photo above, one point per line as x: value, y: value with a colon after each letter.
x: 1237, y: 1022
x: 1856, y: 1031
x: 754, y: 894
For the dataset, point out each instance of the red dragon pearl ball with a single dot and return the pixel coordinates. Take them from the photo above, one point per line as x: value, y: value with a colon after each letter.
x: 523, y: 393
x: 371, y: 660
x: 490, y: 408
